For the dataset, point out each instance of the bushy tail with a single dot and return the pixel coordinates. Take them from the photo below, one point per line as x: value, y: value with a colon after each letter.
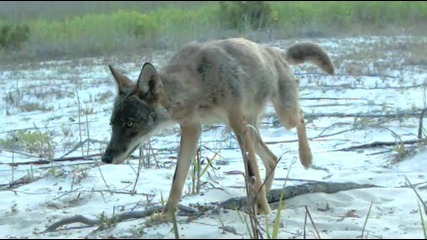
x: 300, y: 53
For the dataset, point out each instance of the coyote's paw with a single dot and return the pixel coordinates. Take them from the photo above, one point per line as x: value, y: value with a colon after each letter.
x: 263, y: 209
x: 158, y: 218
x: 258, y: 198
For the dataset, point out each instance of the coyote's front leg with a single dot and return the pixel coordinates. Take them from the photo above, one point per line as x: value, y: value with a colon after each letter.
x: 190, y: 135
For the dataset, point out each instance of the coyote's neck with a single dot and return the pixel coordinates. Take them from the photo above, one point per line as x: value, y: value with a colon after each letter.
x: 173, y: 97
x: 168, y: 101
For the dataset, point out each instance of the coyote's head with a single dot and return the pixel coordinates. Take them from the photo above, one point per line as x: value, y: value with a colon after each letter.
x: 137, y: 113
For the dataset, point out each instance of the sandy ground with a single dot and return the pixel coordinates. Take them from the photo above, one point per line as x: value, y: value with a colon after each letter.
x: 361, y: 86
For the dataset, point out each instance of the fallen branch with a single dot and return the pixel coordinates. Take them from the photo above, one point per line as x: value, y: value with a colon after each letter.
x: 331, y: 98
x: 115, y: 219
x: 412, y: 113
x: 349, y: 86
x: 353, y: 104
x: 274, y: 195
x: 42, y: 161
x: 347, y: 75
x: 94, y: 222
x: 240, y: 203
x: 19, y: 182
x: 381, y: 144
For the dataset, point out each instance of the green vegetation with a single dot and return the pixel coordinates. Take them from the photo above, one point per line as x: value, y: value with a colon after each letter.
x: 371, y: 17
x: 99, y: 28
x: 12, y: 36
x: 240, y: 14
x: 30, y: 141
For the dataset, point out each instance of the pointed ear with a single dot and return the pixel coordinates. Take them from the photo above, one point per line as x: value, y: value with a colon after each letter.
x: 149, y: 82
x: 123, y: 82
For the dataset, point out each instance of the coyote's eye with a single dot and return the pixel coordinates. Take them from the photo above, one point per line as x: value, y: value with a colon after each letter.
x: 129, y: 123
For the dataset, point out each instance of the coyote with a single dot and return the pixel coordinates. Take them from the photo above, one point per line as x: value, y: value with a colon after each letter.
x: 228, y: 81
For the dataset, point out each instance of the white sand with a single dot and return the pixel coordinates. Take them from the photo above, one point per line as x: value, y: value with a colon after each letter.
x: 70, y: 188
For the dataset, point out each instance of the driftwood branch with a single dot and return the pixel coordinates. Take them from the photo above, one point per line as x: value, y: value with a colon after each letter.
x: 381, y: 144
x: 115, y: 219
x: 95, y: 222
x: 346, y: 74
x: 414, y: 113
x: 273, y: 196
x: 67, y: 159
x: 335, y: 86
x: 19, y: 182
x: 331, y: 98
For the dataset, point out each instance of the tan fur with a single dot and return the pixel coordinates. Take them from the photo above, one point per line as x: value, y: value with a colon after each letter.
x: 228, y: 81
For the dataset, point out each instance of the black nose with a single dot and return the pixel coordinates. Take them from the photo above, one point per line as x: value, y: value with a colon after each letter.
x: 107, y: 159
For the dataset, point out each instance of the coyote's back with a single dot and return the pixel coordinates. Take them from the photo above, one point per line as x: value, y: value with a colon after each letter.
x: 227, y: 81
x: 238, y: 71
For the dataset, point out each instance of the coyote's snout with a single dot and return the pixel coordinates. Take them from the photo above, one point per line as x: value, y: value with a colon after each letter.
x: 228, y: 81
